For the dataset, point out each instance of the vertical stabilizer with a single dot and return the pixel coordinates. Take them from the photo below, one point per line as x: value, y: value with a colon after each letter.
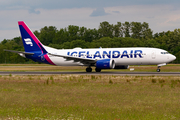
x: 33, y: 45
x: 30, y: 41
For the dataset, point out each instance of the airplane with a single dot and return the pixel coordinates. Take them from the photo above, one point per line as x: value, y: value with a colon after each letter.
x: 101, y: 58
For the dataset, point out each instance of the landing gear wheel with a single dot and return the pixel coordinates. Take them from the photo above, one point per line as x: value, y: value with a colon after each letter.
x: 88, y: 69
x: 98, y: 70
x: 158, y: 70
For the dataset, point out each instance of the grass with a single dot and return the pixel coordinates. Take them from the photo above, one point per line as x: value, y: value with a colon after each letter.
x: 45, y: 67
x: 89, y: 97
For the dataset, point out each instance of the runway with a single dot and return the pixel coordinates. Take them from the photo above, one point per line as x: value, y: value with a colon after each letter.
x: 96, y: 73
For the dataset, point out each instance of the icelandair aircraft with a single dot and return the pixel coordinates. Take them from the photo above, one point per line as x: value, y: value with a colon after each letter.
x: 101, y: 58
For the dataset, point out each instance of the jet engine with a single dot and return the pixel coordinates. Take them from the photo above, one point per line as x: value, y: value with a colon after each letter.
x: 105, y: 64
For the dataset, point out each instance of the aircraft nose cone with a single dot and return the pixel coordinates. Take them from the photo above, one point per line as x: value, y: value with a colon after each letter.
x: 173, y: 57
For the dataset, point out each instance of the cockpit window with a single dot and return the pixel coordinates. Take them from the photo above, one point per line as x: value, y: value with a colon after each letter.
x: 164, y: 53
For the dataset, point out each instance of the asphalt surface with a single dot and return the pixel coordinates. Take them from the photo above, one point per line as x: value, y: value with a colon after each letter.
x: 96, y: 73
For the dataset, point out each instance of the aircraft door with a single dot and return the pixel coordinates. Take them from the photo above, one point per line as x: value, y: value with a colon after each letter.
x: 153, y: 55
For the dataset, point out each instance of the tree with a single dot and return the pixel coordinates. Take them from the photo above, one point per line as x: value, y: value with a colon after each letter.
x: 4, y: 41
x: 151, y: 43
x: 82, y: 32
x: 126, y: 29
x: 136, y: 29
x: 61, y: 36
x: 73, y: 32
x: 134, y: 34
x: 146, y: 31
x: 105, y: 29
x: 47, y: 34
x: 173, y: 39
x: 36, y: 33
x: 78, y: 43
x: 90, y: 35
x: 105, y: 42
x: 131, y: 42
x: 118, y: 30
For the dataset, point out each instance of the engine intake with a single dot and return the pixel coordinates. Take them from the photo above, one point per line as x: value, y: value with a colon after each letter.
x: 105, y: 64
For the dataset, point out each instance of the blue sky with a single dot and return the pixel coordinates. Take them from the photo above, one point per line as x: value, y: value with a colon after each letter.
x: 162, y: 15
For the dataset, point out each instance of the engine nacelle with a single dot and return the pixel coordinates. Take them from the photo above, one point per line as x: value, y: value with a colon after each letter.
x: 121, y: 67
x: 105, y: 64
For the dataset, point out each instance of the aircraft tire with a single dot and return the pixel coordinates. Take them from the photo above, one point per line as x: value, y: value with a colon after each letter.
x: 98, y: 70
x: 158, y: 70
x: 88, y: 69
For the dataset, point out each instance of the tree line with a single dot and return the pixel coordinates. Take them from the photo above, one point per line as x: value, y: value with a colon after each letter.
x: 128, y: 34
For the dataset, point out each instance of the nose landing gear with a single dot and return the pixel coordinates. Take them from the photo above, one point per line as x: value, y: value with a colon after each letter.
x: 158, y: 70
x: 159, y: 65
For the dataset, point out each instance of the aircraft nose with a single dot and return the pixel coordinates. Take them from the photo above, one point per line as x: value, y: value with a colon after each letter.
x: 173, y: 57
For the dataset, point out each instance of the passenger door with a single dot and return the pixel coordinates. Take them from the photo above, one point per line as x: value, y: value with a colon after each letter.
x: 153, y: 55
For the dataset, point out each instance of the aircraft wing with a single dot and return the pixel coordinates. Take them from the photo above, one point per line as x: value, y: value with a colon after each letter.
x: 20, y: 52
x: 76, y: 59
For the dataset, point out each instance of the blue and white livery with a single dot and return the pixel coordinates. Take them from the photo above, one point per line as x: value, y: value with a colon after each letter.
x: 101, y: 58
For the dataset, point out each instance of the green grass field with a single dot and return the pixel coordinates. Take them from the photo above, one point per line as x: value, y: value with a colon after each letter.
x: 89, y: 97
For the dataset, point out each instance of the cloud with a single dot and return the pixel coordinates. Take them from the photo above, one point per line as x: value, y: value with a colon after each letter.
x: 69, y: 4
x: 162, y: 15
x: 116, y: 12
x: 33, y: 10
x: 99, y: 12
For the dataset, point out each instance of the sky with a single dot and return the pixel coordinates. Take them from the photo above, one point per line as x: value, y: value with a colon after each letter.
x: 162, y: 15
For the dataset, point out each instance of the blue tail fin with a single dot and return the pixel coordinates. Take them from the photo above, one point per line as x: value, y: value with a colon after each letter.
x: 33, y: 45
x: 30, y: 41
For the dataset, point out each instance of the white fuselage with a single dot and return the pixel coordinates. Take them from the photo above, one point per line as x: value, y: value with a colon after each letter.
x: 121, y: 56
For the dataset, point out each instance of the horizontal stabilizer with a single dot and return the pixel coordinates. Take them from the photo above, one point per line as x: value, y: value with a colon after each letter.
x: 25, y: 53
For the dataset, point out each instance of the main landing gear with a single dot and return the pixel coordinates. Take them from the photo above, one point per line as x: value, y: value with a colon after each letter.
x: 89, y: 69
x: 98, y: 70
